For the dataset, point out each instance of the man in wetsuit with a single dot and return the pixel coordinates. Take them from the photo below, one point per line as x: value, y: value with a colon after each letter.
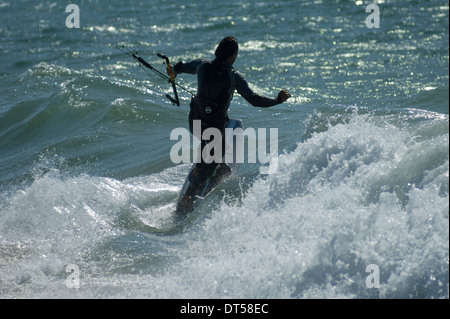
x: 217, y: 81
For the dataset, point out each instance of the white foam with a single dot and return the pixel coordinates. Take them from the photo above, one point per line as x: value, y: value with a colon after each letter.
x: 341, y: 201
x: 360, y: 193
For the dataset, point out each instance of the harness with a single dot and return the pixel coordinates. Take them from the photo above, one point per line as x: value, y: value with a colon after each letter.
x: 216, y: 88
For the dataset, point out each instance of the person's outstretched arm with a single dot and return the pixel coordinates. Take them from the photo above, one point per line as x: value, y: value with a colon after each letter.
x: 255, y: 99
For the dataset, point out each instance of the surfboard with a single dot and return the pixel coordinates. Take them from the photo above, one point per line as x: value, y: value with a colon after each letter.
x: 202, y: 179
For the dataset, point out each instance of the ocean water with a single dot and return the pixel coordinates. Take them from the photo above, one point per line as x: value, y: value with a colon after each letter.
x: 88, y: 190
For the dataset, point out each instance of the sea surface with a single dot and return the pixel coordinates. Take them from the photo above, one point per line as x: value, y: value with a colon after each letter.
x: 357, y: 208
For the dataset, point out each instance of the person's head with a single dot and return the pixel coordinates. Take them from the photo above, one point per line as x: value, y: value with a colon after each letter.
x: 227, y: 50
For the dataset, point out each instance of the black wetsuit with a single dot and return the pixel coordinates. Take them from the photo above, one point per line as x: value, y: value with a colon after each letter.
x: 217, y: 81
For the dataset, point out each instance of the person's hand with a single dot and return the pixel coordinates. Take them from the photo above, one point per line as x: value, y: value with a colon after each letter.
x: 171, y: 72
x: 283, y: 96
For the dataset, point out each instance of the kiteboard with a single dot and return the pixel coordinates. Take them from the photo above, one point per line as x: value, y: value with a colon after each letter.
x: 202, y: 179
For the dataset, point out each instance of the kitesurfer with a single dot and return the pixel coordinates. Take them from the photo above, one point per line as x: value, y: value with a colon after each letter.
x: 217, y: 81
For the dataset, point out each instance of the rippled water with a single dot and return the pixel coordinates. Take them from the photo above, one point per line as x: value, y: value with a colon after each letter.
x: 86, y: 177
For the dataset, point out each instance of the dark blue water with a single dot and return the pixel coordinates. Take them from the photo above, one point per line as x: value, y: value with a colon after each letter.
x: 86, y: 177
